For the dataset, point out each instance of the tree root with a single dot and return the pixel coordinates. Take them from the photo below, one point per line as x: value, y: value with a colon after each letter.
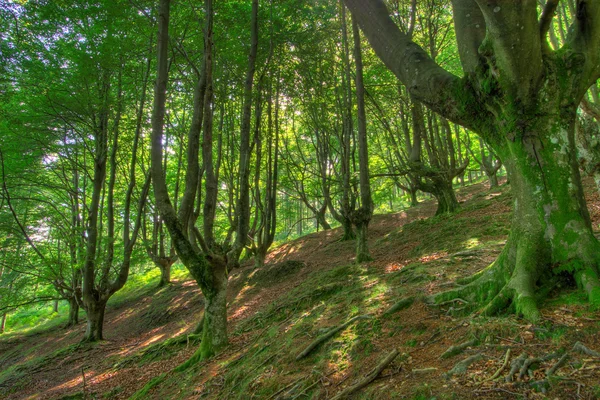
x: 329, y: 334
x: 455, y: 350
x: 499, y: 371
x: 400, y: 305
x: 580, y: 348
x: 369, y: 378
x: 515, y: 366
x: 461, y: 367
x: 525, y: 367
x: 552, y: 370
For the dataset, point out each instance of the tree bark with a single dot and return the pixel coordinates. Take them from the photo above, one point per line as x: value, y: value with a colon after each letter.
x: 551, y: 234
x: 524, y: 107
x: 3, y: 322
x: 95, y: 321
x: 362, y: 216
x: 73, y: 312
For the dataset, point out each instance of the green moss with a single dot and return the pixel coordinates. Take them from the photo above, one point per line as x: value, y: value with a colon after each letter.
x: 143, y: 392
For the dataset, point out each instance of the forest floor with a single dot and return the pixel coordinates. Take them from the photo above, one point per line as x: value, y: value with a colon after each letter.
x: 309, y: 286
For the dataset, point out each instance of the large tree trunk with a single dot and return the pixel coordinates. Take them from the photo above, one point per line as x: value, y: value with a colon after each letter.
x: 551, y: 235
x: 95, y: 321
x: 164, y: 265
x: 214, y: 328
x: 73, y: 312
x: 445, y: 196
x: 493, y: 179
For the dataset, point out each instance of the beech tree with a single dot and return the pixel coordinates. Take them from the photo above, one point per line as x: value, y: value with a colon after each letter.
x: 521, y: 97
x: 207, y: 260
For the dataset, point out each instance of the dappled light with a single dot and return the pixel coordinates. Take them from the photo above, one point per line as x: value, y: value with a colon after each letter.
x: 289, y: 200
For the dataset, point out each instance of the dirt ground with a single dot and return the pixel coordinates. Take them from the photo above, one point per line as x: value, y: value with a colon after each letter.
x: 420, y: 333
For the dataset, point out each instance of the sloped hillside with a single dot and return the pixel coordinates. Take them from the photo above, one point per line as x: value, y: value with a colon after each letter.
x: 312, y: 324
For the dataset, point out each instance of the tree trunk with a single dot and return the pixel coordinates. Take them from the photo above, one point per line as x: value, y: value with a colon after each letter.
x: 95, y: 320
x: 259, y: 257
x: 413, y: 196
x: 3, y: 322
x: 73, y: 312
x: 443, y: 192
x: 165, y: 272
x: 55, y: 306
x: 214, y: 330
x: 551, y: 235
x: 362, y: 248
x: 348, y: 231
x: 493, y: 178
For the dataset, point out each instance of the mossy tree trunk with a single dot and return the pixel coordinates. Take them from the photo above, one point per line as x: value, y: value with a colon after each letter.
x: 521, y: 98
x: 551, y: 234
x: 73, y: 312
x: 95, y: 320
x: 214, y: 331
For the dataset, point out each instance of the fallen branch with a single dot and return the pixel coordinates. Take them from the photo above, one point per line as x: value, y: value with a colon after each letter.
x: 329, y: 334
x: 455, y: 350
x: 369, y: 378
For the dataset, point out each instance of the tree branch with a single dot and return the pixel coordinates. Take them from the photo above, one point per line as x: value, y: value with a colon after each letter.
x: 513, y: 34
x: 469, y: 25
x: 546, y: 22
x: 425, y: 80
x: 584, y: 38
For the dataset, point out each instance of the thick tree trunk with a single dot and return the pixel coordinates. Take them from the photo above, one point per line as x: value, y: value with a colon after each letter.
x: 214, y: 329
x: 443, y: 192
x: 362, y: 248
x: 493, y: 179
x: 73, y: 312
x: 551, y: 236
x: 95, y: 321
x: 164, y: 265
x: 55, y: 306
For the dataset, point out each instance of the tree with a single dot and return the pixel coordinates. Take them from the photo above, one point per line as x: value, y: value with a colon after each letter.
x: 207, y: 260
x: 521, y: 97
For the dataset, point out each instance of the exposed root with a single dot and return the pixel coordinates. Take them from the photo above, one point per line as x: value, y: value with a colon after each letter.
x: 461, y: 367
x: 424, y: 370
x: 499, y: 371
x: 400, y: 305
x: 515, y: 366
x: 369, y: 378
x: 329, y: 334
x: 589, y: 281
x: 525, y: 367
x: 552, y: 370
x: 455, y: 350
x: 580, y: 348
x: 501, y: 285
